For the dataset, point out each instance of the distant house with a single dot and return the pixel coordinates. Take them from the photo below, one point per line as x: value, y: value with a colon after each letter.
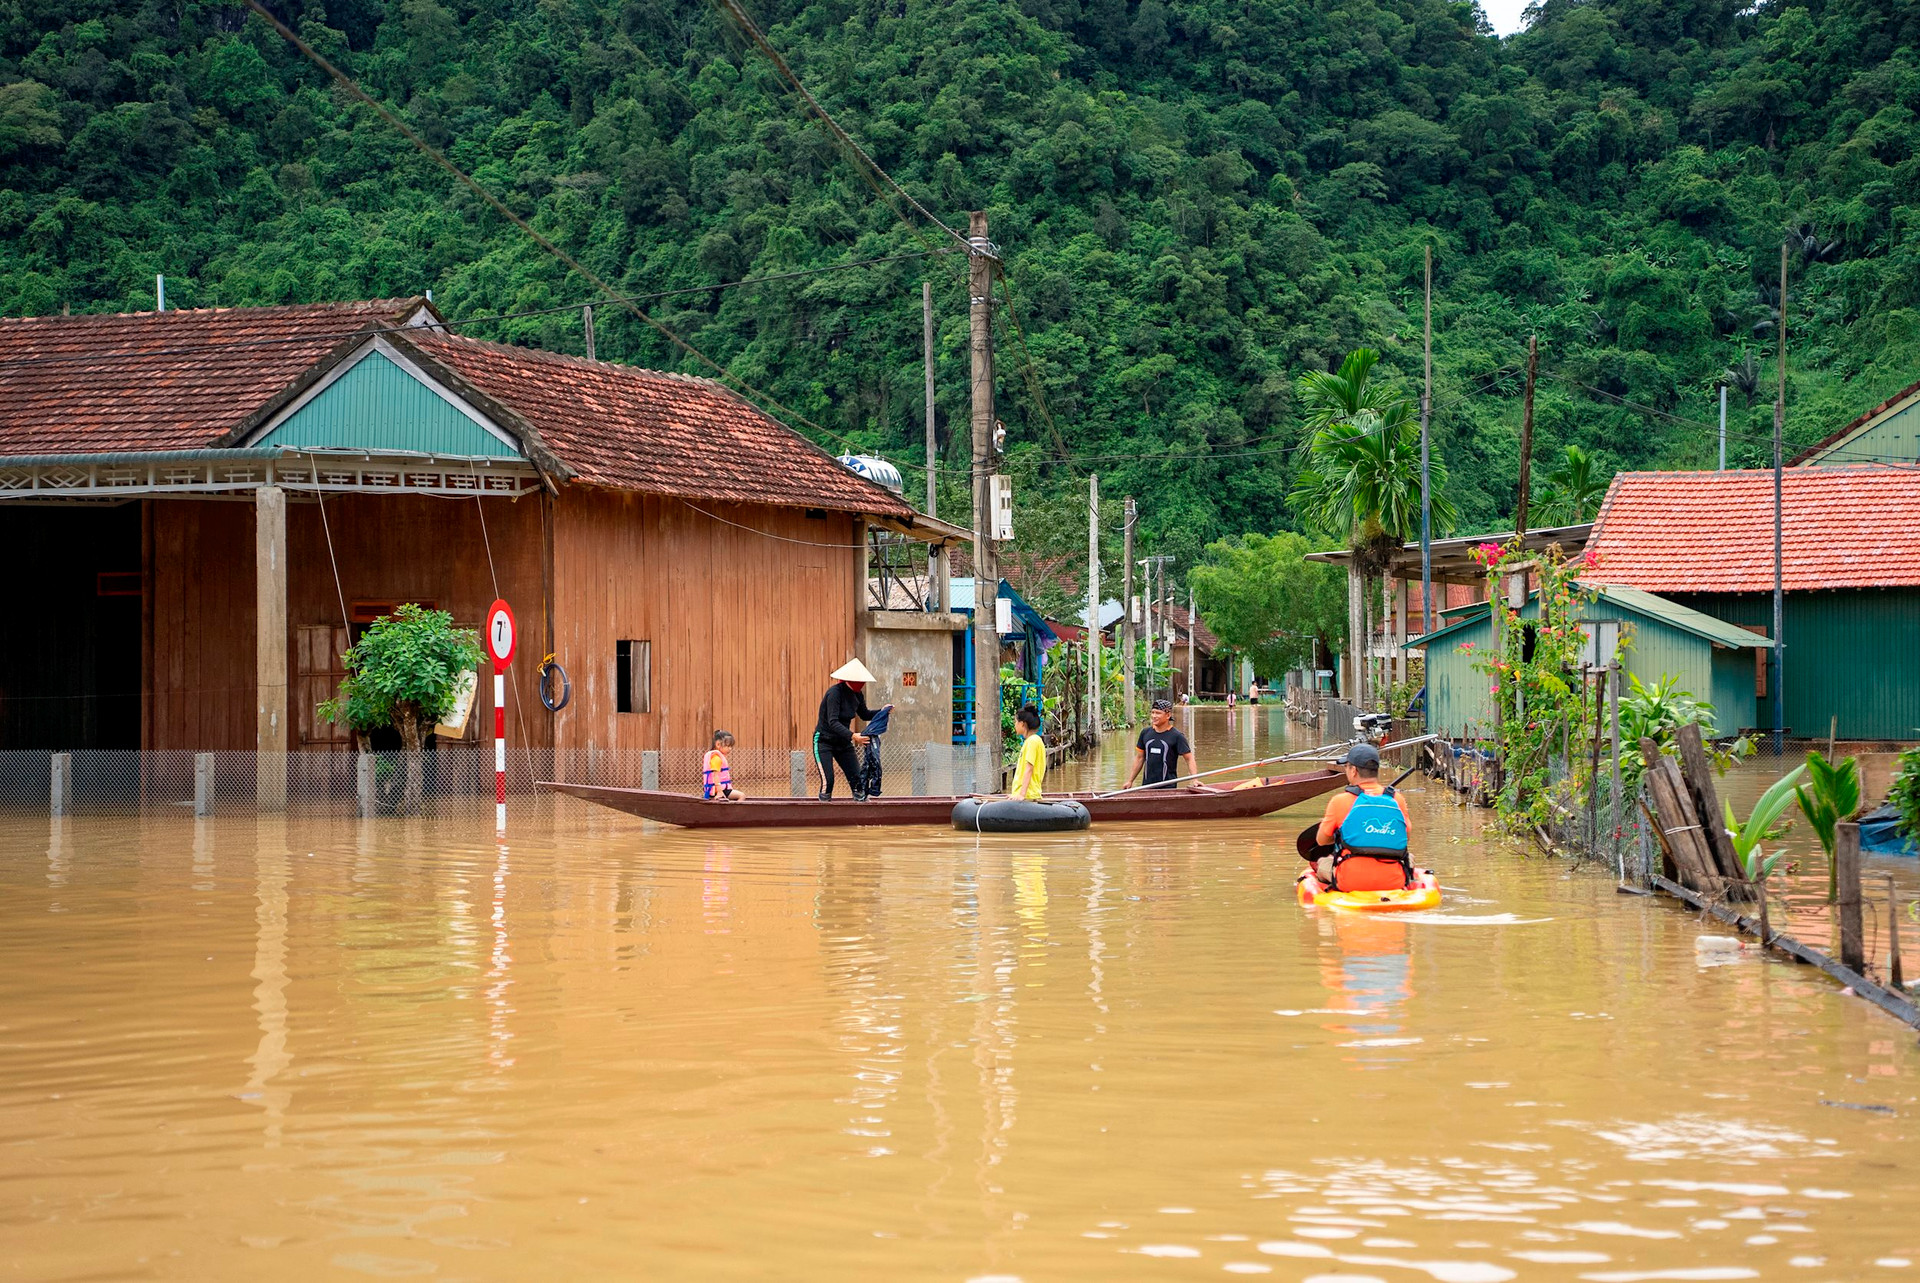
x: 1212, y: 681
x: 1887, y: 434
x: 201, y: 509
x: 1851, y: 580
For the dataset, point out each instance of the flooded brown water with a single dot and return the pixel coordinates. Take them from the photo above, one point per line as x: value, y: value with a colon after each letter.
x: 321, y: 1048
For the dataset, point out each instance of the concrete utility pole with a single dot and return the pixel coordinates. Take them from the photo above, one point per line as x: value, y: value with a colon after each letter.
x: 1126, y: 612
x: 1426, y: 498
x: 586, y: 322
x: 936, y: 553
x: 1093, y: 604
x: 1779, y: 614
x: 982, y: 258
x: 1723, y: 427
x: 1526, y: 438
x: 1193, y: 669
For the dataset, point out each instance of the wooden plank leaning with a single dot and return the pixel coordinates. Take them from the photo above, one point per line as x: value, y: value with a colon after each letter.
x: 1698, y: 775
x: 1678, y: 823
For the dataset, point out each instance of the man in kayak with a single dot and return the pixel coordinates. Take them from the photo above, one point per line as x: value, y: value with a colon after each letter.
x: 1367, y: 826
x: 834, y: 739
x: 1162, y: 750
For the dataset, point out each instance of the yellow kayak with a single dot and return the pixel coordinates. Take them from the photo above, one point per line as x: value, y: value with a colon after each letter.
x: 1423, y: 894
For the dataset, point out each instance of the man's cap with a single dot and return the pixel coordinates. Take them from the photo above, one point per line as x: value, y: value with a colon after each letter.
x: 1163, y: 705
x: 852, y: 671
x: 1360, y: 755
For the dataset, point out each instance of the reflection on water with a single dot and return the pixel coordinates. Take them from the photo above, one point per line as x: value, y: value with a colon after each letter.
x: 306, y: 1046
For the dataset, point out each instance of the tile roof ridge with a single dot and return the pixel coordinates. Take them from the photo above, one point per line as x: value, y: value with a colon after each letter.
x: 272, y: 309
x: 568, y: 358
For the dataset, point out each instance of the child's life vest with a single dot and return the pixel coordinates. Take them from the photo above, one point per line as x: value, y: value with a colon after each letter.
x: 1370, y: 848
x: 717, y: 779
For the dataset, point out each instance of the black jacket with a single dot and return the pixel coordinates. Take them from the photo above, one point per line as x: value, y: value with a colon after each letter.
x: 839, y: 707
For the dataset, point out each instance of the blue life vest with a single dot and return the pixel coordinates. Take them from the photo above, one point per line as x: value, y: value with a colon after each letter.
x: 1374, y: 827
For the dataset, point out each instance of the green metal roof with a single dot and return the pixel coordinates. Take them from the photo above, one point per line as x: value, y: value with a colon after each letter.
x: 1638, y: 602
x: 1686, y: 619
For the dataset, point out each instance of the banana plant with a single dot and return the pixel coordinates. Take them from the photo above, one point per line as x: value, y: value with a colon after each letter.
x: 1747, y: 837
x: 1830, y: 795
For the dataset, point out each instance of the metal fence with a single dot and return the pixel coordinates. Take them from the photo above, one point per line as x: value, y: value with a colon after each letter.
x: 109, y: 780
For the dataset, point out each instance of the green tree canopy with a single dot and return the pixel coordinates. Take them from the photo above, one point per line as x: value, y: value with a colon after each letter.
x: 1265, y: 600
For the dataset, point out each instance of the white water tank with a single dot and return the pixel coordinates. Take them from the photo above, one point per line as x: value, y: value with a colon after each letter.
x: 878, y: 471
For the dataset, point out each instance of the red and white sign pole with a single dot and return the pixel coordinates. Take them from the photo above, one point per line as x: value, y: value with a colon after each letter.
x: 502, y: 635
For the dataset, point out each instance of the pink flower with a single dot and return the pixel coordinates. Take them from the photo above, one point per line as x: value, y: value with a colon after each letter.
x: 1592, y: 560
x: 1494, y: 689
x: 1464, y: 647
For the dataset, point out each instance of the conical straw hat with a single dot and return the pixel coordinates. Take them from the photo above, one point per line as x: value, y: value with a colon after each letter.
x: 852, y: 671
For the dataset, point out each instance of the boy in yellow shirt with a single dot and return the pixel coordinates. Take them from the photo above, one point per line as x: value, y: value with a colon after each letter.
x: 1032, y: 774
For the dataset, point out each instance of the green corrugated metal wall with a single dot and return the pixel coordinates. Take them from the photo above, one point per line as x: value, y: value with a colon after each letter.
x: 1895, y: 439
x: 376, y: 405
x: 1460, y: 702
x: 1853, y: 654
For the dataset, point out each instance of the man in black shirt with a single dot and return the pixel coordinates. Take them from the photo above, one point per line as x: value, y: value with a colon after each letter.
x: 834, y: 739
x: 1162, y: 750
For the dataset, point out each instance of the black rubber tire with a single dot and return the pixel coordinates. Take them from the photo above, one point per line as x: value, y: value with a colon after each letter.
x: 999, y: 815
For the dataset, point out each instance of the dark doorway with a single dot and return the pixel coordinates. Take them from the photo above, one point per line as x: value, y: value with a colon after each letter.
x: 70, y: 645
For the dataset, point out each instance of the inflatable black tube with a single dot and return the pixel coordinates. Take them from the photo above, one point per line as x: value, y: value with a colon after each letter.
x: 1001, y: 815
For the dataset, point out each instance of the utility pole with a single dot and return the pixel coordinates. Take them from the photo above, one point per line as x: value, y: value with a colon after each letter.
x: 926, y: 353
x: 1093, y: 604
x: 1779, y: 613
x: 936, y: 553
x: 159, y: 293
x: 1526, y: 438
x: 1426, y: 498
x: 1126, y: 611
x: 1723, y: 427
x: 586, y: 320
x: 1193, y: 670
x: 981, y: 260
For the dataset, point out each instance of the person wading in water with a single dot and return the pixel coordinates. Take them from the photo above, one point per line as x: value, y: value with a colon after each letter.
x: 834, y: 739
x: 1162, y: 750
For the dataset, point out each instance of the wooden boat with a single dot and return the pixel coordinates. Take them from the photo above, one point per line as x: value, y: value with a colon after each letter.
x: 1195, y: 802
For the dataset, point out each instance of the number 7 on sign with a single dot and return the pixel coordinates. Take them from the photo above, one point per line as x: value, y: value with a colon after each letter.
x: 502, y: 633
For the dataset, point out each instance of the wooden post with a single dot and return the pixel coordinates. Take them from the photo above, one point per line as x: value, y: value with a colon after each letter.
x: 1126, y: 612
x: 1593, y: 765
x: 1678, y: 825
x: 1846, y: 858
x: 981, y: 260
x: 1698, y: 775
x: 270, y: 647
x: 1526, y: 438
x: 1894, y: 975
x: 203, y: 784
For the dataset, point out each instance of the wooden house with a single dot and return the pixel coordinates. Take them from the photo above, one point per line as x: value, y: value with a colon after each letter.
x: 202, y: 508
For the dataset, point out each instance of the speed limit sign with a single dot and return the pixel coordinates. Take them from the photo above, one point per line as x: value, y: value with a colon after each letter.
x: 502, y: 634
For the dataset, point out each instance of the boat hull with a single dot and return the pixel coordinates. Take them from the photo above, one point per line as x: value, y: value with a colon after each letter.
x: 1192, y: 803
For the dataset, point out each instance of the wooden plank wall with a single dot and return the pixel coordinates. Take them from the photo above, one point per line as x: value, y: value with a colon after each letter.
x: 390, y: 548
x: 744, y: 627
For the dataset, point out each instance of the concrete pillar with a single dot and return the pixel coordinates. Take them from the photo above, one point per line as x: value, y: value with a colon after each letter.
x: 650, y: 768
x: 270, y: 646
x: 61, y: 786
x: 797, y: 771
x: 363, y: 780
x: 920, y: 760
x: 203, y: 784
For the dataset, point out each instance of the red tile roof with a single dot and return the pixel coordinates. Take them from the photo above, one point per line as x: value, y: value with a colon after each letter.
x: 1713, y: 531
x: 160, y: 380
x: 632, y: 429
x: 193, y: 379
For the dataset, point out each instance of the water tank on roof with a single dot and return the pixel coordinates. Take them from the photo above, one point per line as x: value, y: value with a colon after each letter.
x: 878, y: 471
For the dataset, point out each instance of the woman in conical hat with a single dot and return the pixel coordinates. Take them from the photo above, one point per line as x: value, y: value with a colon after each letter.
x: 834, y: 739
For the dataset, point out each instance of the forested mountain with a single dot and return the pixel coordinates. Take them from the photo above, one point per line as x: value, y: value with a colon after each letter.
x: 1197, y: 201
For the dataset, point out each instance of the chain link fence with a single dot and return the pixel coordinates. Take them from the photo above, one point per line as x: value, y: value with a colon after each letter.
x: 127, y: 781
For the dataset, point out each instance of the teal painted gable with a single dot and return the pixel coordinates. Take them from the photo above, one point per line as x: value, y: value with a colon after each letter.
x: 377, y: 405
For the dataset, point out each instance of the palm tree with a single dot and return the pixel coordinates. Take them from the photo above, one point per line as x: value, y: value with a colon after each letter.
x: 1574, y: 490
x: 1362, y: 480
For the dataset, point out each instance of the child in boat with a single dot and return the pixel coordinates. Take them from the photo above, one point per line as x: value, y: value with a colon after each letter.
x: 1032, y: 775
x: 716, y: 781
x: 1367, y: 836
